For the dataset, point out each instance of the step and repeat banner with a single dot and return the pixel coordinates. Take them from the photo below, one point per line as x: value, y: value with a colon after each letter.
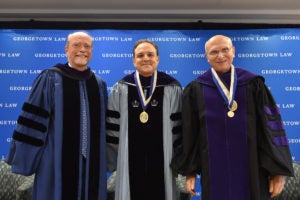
x: 272, y: 53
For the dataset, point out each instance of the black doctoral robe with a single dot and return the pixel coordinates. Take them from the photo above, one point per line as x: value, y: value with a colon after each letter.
x: 234, y: 156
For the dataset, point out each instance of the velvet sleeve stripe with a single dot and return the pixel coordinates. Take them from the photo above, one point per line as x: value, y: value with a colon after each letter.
x: 111, y: 139
x: 276, y: 125
x: 27, y: 139
x: 177, y: 142
x: 32, y: 124
x: 112, y: 127
x: 176, y: 129
x: 175, y: 116
x: 271, y: 110
x: 35, y: 110
x: 113, y: 114
x: 280, y: 141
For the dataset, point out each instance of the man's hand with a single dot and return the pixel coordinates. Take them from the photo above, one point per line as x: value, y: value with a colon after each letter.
x: 276, y: 185
x: 190, y: 184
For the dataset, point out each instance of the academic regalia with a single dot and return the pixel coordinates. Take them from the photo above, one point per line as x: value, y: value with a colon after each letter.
x: 141, y: 152
x: 236, y: 155
x: 63, y: 104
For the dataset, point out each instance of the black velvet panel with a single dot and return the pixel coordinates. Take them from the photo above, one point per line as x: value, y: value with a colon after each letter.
x: 146, y: 168
x: 95, y: 111
x: 71, y: 138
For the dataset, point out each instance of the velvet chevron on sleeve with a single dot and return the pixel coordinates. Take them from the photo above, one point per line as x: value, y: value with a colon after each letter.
x: 235, y: 156
x: 48, y: 138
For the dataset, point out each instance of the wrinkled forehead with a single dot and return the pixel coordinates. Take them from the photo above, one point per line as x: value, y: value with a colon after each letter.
x: 80, y: 37
x: 218, y: 43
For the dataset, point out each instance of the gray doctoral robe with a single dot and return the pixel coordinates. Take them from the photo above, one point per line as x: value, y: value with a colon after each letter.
x: 118, y: 126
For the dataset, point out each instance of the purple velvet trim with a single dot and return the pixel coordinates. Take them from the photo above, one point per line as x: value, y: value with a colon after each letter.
x: 243, y: 76
x: 227, y: 146
x: 272, y: 110
x: 276, y: 125
x: 280, y: 141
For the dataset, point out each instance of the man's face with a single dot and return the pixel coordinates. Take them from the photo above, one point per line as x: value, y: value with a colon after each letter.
x: 145, y: 59
x: 79, y: 51
x: 220, y: 54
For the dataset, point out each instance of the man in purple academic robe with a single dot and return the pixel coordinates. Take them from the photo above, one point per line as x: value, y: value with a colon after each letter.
x: 233, y: 135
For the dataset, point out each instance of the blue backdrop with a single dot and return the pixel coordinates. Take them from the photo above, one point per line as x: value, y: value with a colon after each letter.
x: 272, y: 53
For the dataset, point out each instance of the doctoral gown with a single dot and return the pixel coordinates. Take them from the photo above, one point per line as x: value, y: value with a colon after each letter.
x: 141, y: 152
x: 47, y: 140
x: 235, y: 156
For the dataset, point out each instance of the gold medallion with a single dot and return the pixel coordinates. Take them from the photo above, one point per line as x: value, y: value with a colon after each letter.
x: 144, y: 117
x: 230, y: 114
x: 234, y: 106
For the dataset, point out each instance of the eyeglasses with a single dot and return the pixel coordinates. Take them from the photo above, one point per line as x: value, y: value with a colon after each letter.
x: 79, y: 46
x: 225, y: 50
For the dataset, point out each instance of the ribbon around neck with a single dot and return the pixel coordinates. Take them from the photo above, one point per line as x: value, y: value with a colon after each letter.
x: 228, y: 95
x: 139, y: 88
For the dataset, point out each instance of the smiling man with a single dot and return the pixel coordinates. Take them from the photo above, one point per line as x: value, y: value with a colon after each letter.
x: 60, y: 135
x: 233, y: 135
x: 144, y: 120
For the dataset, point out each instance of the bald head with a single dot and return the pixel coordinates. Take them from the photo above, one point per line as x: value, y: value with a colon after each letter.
x: 79, y: 50
x: 217, y: 39
x: 78, y: 34
x: 219, y: 52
